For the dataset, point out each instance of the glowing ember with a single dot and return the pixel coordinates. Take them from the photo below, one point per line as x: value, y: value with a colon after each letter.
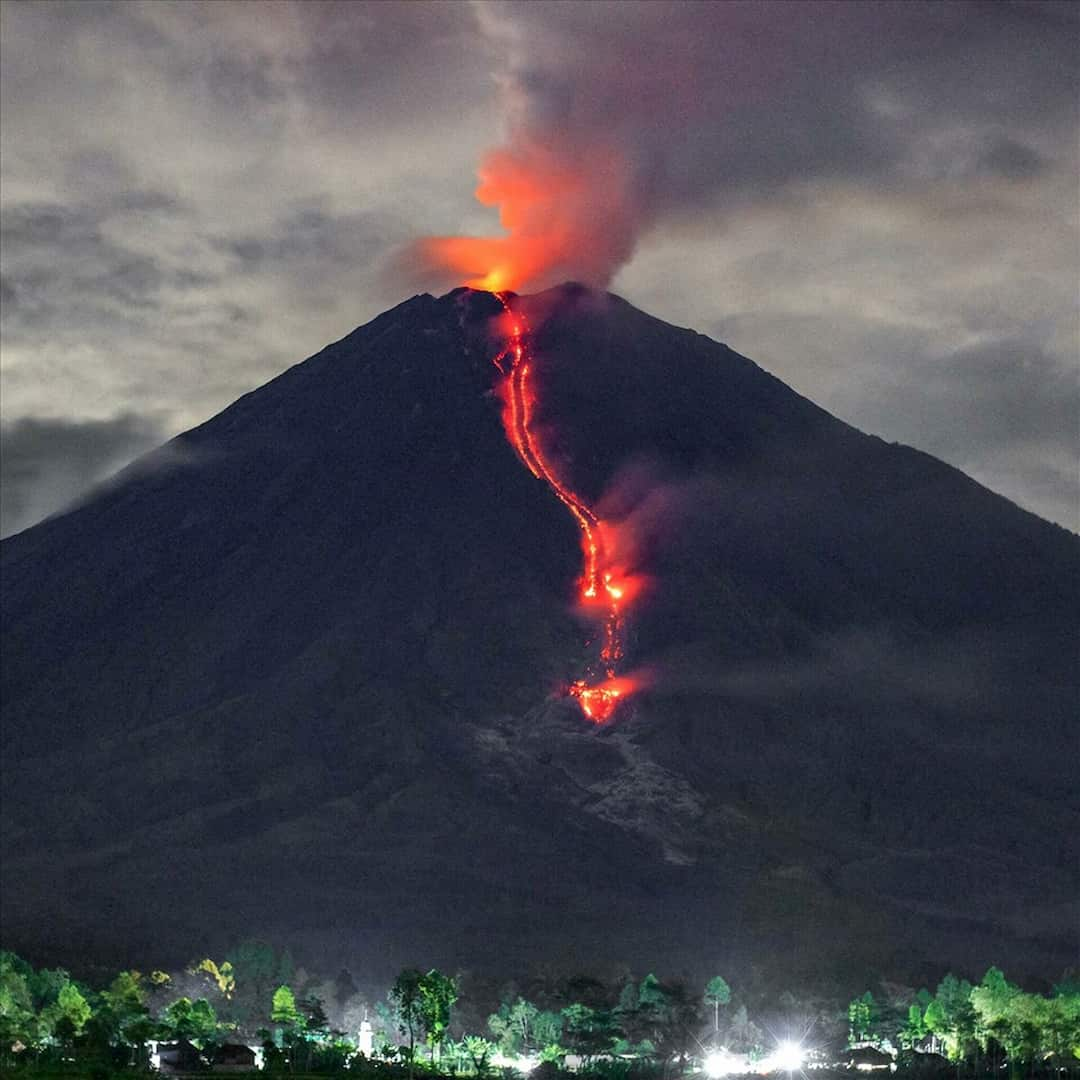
x: 599, y: 702
x: 602, y: 588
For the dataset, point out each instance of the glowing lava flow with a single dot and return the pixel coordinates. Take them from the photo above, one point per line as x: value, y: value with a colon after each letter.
x: 601, y: 588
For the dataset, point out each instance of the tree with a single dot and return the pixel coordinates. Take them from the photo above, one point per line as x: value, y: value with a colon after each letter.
x: 438, y: 992
x: 256, y: 970
x: 996, y: 1004
x: 73, y: 1006
x: 18, y: 1022
x: 863, y: 1014
x: 283, y: 1009
x: 953, y: 1018
x: 744, y: 1036
x: 408, y: 1008
x: 587, y: 1031
x: 124, y: 1010
x: 194, y: 1021
x: 522, y: 1028
x: 717, y: 993
x: 508, y: 1034
x: 306, y: 1027
x: 667, y: 1018
x: 523, y: 1015
x: 221, y: 975
x: 913, y: 1029
x: 547, y: 1033
x: 933, y: 1022
x: 479, y: 1051
x: 69, y: 1015
x: 316, y: 1023
x: 1063, y: 1024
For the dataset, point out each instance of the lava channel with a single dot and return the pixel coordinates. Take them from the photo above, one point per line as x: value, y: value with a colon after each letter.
x: 602, y: 589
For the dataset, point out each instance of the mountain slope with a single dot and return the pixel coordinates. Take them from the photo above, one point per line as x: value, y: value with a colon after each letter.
x: 298, y: 674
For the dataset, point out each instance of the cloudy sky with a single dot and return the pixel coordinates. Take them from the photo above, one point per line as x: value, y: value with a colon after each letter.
x: 876, y: 202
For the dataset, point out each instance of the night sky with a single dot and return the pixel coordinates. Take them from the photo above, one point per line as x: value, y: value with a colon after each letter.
x: 876, y: 202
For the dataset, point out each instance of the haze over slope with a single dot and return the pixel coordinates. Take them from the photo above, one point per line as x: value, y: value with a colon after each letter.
x: 299, y: 676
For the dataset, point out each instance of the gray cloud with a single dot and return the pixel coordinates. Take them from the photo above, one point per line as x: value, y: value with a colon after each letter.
x: 47, y: 464
x: 1011, y: 159
x: 1003, y: 411
x: 992, y: 396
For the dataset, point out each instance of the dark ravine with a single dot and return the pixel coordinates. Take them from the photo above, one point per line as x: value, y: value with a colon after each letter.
x: 298, y: 677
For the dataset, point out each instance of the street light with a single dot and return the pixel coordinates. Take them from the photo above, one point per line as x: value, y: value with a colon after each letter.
x: 788, y: 1057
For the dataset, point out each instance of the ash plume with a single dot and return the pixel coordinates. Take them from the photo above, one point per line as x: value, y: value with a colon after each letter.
x: 620, y: 115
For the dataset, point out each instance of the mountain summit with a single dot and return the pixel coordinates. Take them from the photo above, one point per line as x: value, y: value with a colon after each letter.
x: 303, y: 676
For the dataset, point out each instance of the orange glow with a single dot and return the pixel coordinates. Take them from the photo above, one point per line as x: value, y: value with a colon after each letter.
x: 604, y: 588
x: 569, y: 212
x: 599, y: 702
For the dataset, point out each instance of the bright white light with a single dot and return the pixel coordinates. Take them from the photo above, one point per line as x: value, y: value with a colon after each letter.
x: 716, y: 1065
x: 788, y: 1057
x: 521, y: 1064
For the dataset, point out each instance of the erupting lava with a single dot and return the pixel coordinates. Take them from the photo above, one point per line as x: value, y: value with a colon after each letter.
x: 602, y: 588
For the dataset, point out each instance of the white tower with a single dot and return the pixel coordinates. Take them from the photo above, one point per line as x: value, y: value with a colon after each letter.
x: 365, y: 1041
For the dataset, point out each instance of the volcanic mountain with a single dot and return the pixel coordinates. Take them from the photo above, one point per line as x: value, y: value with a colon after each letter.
x: 302, y: 675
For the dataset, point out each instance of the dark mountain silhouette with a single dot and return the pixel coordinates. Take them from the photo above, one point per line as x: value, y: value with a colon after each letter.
x: 297, y: 674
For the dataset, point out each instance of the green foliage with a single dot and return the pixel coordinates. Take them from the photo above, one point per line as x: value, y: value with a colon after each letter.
x: 315, y: 1022
x: 221, y: 975
x: 256, y: 969
x: 421, y: 1005
x: 283, y: 1008
x: 438, y: 992
x: 18, y: 1022
x: 407, y: 1005
x: 194, y: 1021
x: 479, y: 1052
x: 914, y: 1028
x: 72, y: 1007
x: 743, y: 1035
x: 122, y: 1019
x: 717, y: 993
x: 126, y: 995
x: 522, y: 1029
x: 863, y: 1016
x: 952, y: 1019
x: 49, y: 1020
x: 330, y: 1056
x: 994, y: 1001
x: 587, y: 1031
x: 552, y: 1053
x: 1026, y: 1026
x: 657, y: 1020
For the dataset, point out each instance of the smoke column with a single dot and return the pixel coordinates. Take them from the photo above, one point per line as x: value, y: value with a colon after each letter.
x: 569, y: 214
x: 567, y: 179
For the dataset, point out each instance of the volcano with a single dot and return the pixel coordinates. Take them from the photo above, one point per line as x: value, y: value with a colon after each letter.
x: 303, y: 675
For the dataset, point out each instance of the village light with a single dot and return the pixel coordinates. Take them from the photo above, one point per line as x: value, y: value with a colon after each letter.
x: 788, y: 1057
x: 716, y: 1065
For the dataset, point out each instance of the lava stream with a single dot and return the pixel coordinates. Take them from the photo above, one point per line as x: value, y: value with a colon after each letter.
x: 600, y: 585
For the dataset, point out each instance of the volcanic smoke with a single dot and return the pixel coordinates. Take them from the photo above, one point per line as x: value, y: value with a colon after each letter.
x: 570, y: 212
x: 603, y: 588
